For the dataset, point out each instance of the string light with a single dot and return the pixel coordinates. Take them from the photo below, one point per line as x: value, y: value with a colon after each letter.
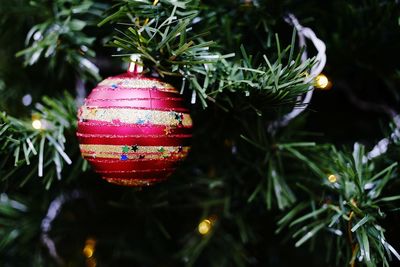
x: 332, y: 178
x: 88, y: 252
x: 204, y: 226
x: 322, y: 82
x: 89, y: 248
x: 37, y: 124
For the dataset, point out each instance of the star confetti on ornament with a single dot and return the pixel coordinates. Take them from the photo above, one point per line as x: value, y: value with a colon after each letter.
x: 179, y: 118
x: 113, y: 86
x: 180, y: 148
x: 124, y: 157
x: 141, y: 157
x: 167, y: 130
x: 140, y: 121
x: 161, y: 149
x: 125, y: 149
x: 93, y: 111
x: 135, y: 148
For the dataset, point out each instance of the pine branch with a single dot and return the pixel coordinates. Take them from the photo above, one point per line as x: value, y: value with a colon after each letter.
x: 59, y: 36
x: 165, y: 37
x: 45, y: 143
x: 18, y: 231
x: 354, y: 205
x: 265, y: 84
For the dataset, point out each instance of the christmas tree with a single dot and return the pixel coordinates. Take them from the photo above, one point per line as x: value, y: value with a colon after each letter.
x: 293, y: 151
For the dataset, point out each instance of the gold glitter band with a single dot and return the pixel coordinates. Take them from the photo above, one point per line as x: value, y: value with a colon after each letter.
x: 139, y: 149
x: 133, y: 182
x: 128, y: 156
x: 136, y: 116
x: 138, y: 83
x: 134, y: 152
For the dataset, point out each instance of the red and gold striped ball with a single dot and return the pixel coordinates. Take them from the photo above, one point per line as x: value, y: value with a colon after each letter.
x: 134, y: 130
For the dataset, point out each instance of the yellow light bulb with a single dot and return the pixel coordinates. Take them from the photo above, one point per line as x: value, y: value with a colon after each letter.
x: 322, y: 82
x: 204, y: 227
x: 88, y: 251
x: 89, y: 248
x: 332, y: 178
x: 37, y: 124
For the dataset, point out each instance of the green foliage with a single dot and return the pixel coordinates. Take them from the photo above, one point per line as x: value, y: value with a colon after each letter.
x: 42, y: 147
x: 352, y: 204
x: 164, y: 36
x: 239, y: 175
x: 60, y: 35
x: 16, y: 230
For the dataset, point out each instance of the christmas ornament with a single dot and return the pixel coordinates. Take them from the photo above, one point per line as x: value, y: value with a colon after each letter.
x: 133, y: 129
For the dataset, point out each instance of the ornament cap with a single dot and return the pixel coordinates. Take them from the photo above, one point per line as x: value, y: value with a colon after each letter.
x: 136, y: 65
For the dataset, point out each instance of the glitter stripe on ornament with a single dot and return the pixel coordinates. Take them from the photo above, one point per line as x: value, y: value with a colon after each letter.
x: 134, y: 152
x: 132, y: 129
x: 153, y: 104
x: 133, y: 182
x: 134, y: 156
x: 132, y: 148
x: 134, y: 115
x: 150, y: 140
x: 126, y: 81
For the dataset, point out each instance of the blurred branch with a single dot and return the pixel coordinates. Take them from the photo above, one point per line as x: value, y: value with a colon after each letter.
x: 46, y: 225
x: 356, y: 203
x: 60, y: 35
x: 382, y: 146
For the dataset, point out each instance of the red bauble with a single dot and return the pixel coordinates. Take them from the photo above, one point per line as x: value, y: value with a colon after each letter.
x: 134, y: 130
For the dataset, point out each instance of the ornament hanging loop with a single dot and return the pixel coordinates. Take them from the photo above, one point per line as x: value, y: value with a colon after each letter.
x: 136, y: 65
